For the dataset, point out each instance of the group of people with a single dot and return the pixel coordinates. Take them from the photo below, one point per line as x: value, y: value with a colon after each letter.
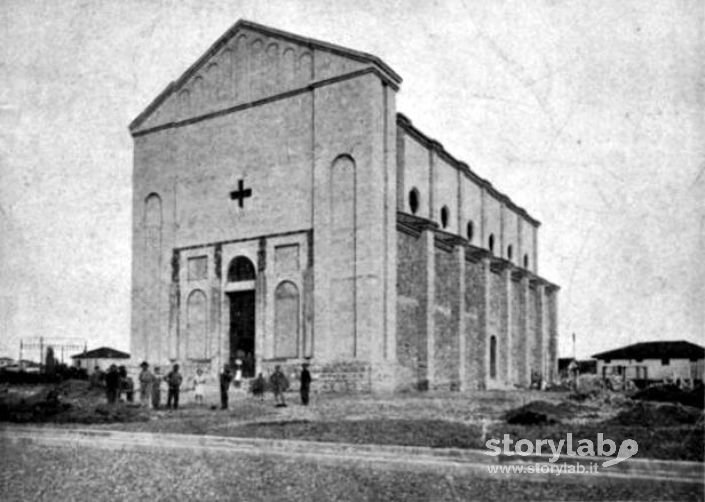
x: 278, y: 383
x: 151, y: 386
x: 117, y: 382
x: 118, y: 385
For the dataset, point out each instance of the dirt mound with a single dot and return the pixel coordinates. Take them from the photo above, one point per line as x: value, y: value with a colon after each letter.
x: 37, y: 407
x: 660, y: 415
x: 69, y: 401
x: 535, y: 413
x: 672, y: 394
x: 75, y: 388
x: 103, y: 413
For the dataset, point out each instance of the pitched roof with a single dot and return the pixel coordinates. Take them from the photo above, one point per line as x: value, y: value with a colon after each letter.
x: 655, y: 350
x: 102, y: 353
x: 265, y: 30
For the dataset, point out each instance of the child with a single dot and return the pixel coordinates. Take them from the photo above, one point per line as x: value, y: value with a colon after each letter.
x: 258, y: 387
x: 146, y: 381
x: 199, y: 383
x: 156, y: 388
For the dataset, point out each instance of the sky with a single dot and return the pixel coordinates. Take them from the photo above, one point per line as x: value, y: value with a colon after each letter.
x: 589, y: 114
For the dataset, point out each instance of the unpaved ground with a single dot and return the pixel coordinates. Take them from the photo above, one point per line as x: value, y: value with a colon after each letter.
x: 31, y: 472
x: 426, y: 419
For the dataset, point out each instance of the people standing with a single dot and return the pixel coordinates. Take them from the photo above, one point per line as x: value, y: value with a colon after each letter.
x: 226, y: 377
x: 156, y: 388
x: 173, y: 380
x: 258, y: 387
x: 305, y: 384
x: 112, y: 384
x: 237, y: 381
x: 97, y: 378
x: 279, y: 385
x: 122, y: 387
x: 146, y: 379
x: 199, y: 386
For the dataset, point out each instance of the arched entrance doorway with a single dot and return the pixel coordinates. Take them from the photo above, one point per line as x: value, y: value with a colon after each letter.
x: 240, y: 289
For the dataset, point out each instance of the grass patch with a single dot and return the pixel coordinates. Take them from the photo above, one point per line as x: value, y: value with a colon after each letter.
x: 666, y: 443
x: 431, y: 433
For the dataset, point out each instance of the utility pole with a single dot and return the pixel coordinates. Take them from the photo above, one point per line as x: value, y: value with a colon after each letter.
x: 574, y: 356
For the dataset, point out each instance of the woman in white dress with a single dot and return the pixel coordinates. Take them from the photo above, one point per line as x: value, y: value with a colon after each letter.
x: 199, y: 384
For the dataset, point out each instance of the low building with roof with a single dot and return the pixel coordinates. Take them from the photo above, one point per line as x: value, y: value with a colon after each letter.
x: 654, y: 361
x: 102, y: 357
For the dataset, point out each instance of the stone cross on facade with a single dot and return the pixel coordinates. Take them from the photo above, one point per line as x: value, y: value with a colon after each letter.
x: 241, y: 193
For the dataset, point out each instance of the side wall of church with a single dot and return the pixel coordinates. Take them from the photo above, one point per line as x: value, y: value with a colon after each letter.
x: 475, y: 324
x: 503, y: 332
x: 473, y: 208
x: 446, y: 351
x: 497, y: 329
x: 471, y: 216
x: 552, y: 334
x: 412, y: 349
x: 534, y: 335
x: 518, y: 353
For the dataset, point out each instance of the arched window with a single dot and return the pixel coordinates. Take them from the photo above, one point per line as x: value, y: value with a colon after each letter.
x: 414, y: 200
x: 153, y: 211
x: 342, y: 293
x: 493, y: 356
x: 490, y: 243
x: 151, y: 274
x: 241, y: 269
x: 445, y: 216
x: 470, y: 230
x: 286, y: 320
x: 509, y: 252
x: 197, y: 324
x: 526, y: 261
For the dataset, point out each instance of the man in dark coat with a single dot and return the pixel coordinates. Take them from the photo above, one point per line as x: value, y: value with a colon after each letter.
x: 305, y: 384
x: 279, y: 385
x: 173, y: 380
x: 226, y: 377
x: 112, y: 384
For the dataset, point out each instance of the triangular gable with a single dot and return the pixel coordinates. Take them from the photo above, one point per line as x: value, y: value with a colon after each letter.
x: 251, y: 62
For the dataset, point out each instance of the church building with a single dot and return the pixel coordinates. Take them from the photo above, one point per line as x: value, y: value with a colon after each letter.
x: 285, y: 212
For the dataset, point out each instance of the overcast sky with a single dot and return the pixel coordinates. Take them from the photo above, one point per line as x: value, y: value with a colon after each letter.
x: 587, y: 113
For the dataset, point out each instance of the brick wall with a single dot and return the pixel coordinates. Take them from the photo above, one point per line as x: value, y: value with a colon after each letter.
x: 411, y: 278
x: 445, y: 320
x: 497, y: 321
x: 476, y: 345
x: 533, y: 337
x: 518, y: 341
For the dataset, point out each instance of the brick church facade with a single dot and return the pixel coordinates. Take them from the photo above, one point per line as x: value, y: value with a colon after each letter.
x: 285, y: 212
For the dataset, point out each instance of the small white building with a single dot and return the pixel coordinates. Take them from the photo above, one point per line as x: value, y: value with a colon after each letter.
x: 102, y: 357
x: 654, y: 361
